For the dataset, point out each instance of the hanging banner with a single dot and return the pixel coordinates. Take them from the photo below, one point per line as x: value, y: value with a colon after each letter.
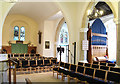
x: 85, y: 45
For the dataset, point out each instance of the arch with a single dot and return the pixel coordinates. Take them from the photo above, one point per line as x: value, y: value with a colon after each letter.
x: 57, y: 33
x: 90, y: 4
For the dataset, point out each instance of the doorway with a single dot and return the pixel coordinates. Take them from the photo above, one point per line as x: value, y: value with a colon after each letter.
x: 63, y: 41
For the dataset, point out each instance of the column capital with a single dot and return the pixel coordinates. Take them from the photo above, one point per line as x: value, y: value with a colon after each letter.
x: 83, y: 29
x: 116, y: 20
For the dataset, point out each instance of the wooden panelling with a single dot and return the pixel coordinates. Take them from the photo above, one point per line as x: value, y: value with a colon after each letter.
x: 7, y: 48
x: 30, y: 48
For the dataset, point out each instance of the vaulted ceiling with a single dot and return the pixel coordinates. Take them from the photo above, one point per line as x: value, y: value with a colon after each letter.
x: 35, y: 10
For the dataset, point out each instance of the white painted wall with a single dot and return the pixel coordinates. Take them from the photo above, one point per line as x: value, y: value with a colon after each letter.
x: 111, y: 29
x: 48, y: 29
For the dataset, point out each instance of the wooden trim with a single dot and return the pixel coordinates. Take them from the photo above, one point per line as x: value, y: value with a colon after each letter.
x: 9, y: 71
x: 28, y: 81
x: 14, y: 74
x: 96, y: 34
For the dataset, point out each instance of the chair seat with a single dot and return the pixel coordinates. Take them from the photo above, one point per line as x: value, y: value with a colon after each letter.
x: 55, y: 69
x: 61, y: 70
x: 89, y: 79
x: 66, y: 72
x: 79, y: 76
x: 72, y: 74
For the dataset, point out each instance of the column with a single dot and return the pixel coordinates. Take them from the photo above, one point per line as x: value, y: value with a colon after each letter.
x: 83, y: 36
x: 117, y: 21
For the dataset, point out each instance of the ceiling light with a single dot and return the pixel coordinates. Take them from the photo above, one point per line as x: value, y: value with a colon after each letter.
x: 89, y: 12
x: 101, y: 12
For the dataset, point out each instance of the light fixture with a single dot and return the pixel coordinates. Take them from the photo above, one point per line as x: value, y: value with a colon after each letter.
x: 94, y: 12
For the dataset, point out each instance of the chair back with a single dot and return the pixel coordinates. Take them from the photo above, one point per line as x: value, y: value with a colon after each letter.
x: 67, y: 65
x: 80, y: 69
x: 80, y: 63
x: 100, y: 74
x: 113, y: 76
x: 95, y: 66
x: 115, y: 69
x: 95, y: 62
x: 87, y: 65
x: 104, y: 67
x: 89, y: 71
x: 32, y: 62
x: 21, y: 55
x: 103, y: 63
x: 73, y: 67
x: 39, y: 62
x: 111, y: 64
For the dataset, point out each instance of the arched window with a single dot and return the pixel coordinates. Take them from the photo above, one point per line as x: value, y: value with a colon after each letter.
x: 16, y: 33
x: 63, y: 37
x: 19, y: 33
x: 22, y: 33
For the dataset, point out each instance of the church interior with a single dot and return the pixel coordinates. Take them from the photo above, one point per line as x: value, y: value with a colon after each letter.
x: 73, y: 41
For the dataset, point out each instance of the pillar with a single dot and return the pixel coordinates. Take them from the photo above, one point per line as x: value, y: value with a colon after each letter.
x: 117, y: 21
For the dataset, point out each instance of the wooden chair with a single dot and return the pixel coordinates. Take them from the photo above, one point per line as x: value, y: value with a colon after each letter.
x: 18, y: 67
x: 105, y: 67
x: 95, y: 66
x: 47, y: 65
x: 32, y: 56
x: 111, y: 64
x: 71, y: 73
x: 115, y: 69
x: 40, y: 64
x: 26, y: 55
x: 25, y: 65
x: 60, y: 68
x: 103, y: 63
x: 65, y: 71
x: 55, y: 68
x: 33, y: 65
x: 113, y: 77
x: 87, y: 64
x: 96, y: 62
x: 22, y: 55
x: 37, y: 56
x: 100, y: 76
x: 16, y: 55
x: 81, y: 63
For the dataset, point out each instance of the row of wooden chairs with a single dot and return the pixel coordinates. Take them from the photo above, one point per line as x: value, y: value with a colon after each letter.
x: 97, y: 63
x: 23, y: 55
x: 31, y: 58
x: 103, y: 67
x: 35, y: 65
x: 104, y: 63
x: 86, y: 74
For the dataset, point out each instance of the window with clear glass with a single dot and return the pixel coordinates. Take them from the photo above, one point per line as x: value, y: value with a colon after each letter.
x: 16, y: 33
x: 22, y: 33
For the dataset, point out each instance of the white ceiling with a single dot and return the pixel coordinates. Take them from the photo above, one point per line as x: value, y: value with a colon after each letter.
x: 35, y: 10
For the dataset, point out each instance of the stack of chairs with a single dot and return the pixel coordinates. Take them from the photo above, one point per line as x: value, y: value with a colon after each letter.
x: 88, y: 73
